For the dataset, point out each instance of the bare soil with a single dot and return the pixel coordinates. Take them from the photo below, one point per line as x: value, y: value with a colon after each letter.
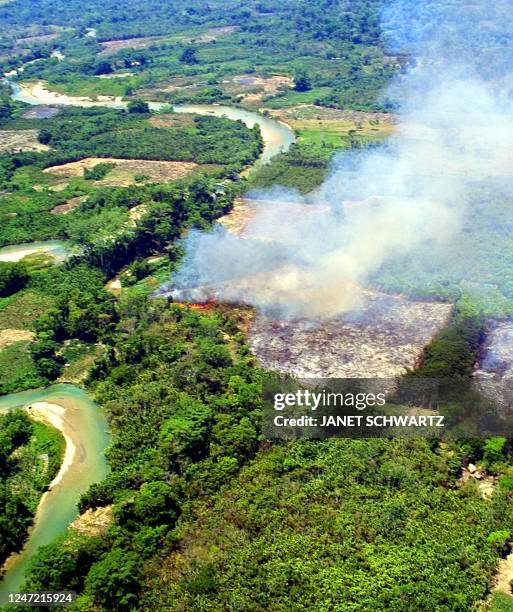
x: 93, y: 522
x: 65, y: 208
x: 11, y: 336
x: 384, y: 338
x: 13, y: 141
x: 110, y: 47
x: 126, y: 169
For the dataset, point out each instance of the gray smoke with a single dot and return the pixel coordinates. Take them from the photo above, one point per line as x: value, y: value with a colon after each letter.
x: 401, y: 206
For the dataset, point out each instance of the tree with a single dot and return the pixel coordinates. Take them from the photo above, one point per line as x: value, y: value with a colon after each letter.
x: 13, y: 277
x: 103, y: 68
x: 44, y: 136
x: 138, y: 106
x: 189, y: 56
x: 115, y: 581
x: 302, y: 81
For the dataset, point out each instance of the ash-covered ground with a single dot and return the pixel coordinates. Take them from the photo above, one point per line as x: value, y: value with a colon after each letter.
x: 494, y: 375
x: 386, y: 336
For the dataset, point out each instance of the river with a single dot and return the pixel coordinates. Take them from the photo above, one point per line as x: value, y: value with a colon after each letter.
x: 85, y: 429
x: 84, y: 422
x: 277, y: 137
x: 56, y: 248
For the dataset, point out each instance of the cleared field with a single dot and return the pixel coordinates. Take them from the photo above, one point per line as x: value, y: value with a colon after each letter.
x: 70, y: 204
x: 11, y: 336
x: 40, y: 112
x: 254, y: 88
x: 317, y: 125
x: 13, y: 141
x: 20, y: 311
x: 126, y: 171
x: 110, y: 47
x: 384, y: 338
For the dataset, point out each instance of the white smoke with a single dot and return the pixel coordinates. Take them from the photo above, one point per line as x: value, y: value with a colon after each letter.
x: 407, y: 197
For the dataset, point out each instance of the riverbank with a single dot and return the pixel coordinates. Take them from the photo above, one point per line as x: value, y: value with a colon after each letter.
x: 83, y: 425
x: 57, y: 249
x: 276, y: 134
x: 55, y: 415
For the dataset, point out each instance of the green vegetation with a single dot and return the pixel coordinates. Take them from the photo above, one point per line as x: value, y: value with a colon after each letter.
x: 17, y: 369
x: 207, y: 514
x: 334, y: 48
x: 13, y: 277
x: 183, y: 402
x: 30, y: 457
x: 352, y: 525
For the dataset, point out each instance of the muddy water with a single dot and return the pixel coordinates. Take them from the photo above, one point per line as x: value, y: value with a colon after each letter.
x: 86, y: 427
x: 55, y: 248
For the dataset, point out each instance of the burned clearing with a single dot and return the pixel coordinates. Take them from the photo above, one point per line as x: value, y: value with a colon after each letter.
x: 386, y: 336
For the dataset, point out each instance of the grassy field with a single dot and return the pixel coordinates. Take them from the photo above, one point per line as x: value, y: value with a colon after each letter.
x: 321, y: 133
x: 17, y: 370
x: 20, y: 310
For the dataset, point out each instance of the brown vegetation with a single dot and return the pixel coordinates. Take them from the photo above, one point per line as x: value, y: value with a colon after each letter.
x: 14, y: 141
x: 126, y: 170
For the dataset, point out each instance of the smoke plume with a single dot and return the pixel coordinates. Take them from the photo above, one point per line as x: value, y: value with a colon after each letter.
x: 409, y: 210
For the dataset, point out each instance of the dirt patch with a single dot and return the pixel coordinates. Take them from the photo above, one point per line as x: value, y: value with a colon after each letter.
x: 168, y: 86
x: 72, y: 203
x: 504, y: 576
x: 114, y: 286
x: 110, y: 47
x: 11, y: 336
x: 93, y: 522
x: 40, y: 112
x: 14, y: 141
x: 484, y: 482
x: 255, y: 88
x: 137, y: 212
x: 167, y: 120
x: 126, y: 170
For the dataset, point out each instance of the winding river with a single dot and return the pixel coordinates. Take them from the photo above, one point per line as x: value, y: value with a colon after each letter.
x: 277, y: 137
x: 85, y: 429
x: 81, y: 420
